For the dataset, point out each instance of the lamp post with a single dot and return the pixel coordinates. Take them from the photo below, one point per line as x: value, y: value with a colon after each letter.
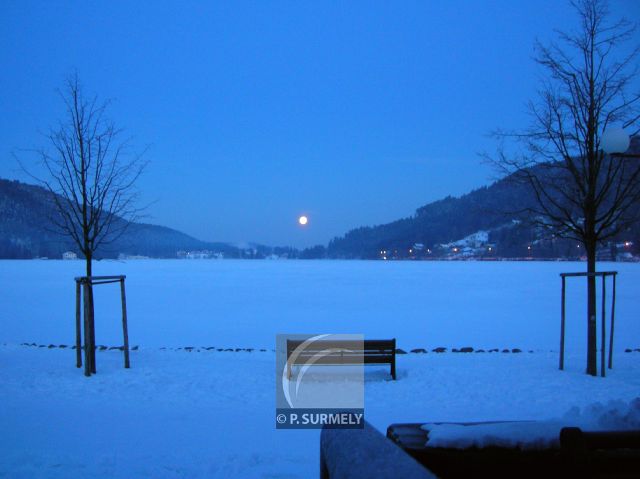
x: 614, y: 142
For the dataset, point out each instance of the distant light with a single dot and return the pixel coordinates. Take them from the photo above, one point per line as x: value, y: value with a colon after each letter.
x: 615, y: 140
x: 489, y: 248
x: 528, y: 247
x: 410, y: 251
x: 384, y: 257
x: 303, y: 220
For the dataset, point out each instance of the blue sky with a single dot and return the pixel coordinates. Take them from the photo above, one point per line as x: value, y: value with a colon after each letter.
x: 354, y: 113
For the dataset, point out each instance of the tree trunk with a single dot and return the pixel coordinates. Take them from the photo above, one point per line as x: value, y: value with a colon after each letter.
x: 592, y: 367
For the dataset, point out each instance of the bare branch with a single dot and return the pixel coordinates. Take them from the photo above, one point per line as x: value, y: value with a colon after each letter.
x: 91, y: 173
x: 589, y: 87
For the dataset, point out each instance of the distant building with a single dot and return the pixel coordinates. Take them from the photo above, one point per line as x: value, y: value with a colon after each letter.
x: 124, y: 257
x: 69, y: 255
x: 205, y: 254
x: 198, y: 255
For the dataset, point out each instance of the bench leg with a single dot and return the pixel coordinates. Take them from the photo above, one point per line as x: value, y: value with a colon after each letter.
x: 393, y: 359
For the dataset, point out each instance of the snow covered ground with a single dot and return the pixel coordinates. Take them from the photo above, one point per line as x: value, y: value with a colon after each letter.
x: 211, y: 414
x: 208, y: 413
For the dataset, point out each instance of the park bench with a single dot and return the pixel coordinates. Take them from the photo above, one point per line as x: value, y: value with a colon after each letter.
x: 342, y: 352
x: 581, y: 454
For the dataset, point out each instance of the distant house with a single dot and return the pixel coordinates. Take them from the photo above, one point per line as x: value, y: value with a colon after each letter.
x: 204, y: 254
x: 198, y: 255
x: 69, y: 255
x: 125, y: 257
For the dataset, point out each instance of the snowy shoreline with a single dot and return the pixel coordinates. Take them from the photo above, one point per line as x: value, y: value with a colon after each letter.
x: 399, y: 351
x: 175, y: 414
x: 203, y: 413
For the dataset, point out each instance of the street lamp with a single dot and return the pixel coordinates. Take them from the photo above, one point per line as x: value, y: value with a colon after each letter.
x: 615, y: 141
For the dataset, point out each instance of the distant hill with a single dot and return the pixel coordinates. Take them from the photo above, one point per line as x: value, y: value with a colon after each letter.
x: 483, y: 223
x: 26, y: 231
x: 442, y: 221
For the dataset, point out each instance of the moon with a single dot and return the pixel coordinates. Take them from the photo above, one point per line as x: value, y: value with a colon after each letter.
x: 303, y: 220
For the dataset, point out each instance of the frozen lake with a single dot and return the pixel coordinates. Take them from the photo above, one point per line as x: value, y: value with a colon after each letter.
x: 234, y: 303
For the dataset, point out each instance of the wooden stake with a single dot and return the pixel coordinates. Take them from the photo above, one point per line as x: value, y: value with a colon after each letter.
x: 603, y: 341
x: 87, y: 332
x: 562, y: 320
x: 125, y: 331
x: 87, y: 283
x: 92, y: 326
x: 78, y: 328
x: 613, y: 313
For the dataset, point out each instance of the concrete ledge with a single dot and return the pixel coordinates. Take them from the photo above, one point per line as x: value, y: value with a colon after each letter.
x: 360, y: 453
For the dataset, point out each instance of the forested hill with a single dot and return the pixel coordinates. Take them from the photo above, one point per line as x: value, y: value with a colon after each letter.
x: 26, y: 231
x: 483, y: 223
x: 450, y: 219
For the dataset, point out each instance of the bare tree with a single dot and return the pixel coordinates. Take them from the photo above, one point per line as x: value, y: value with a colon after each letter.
x: 91, y: 174
x: 582, y: 193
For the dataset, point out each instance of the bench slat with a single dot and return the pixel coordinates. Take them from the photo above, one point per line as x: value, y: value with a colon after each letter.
x: 352, y: 352
x: 382, y: 344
